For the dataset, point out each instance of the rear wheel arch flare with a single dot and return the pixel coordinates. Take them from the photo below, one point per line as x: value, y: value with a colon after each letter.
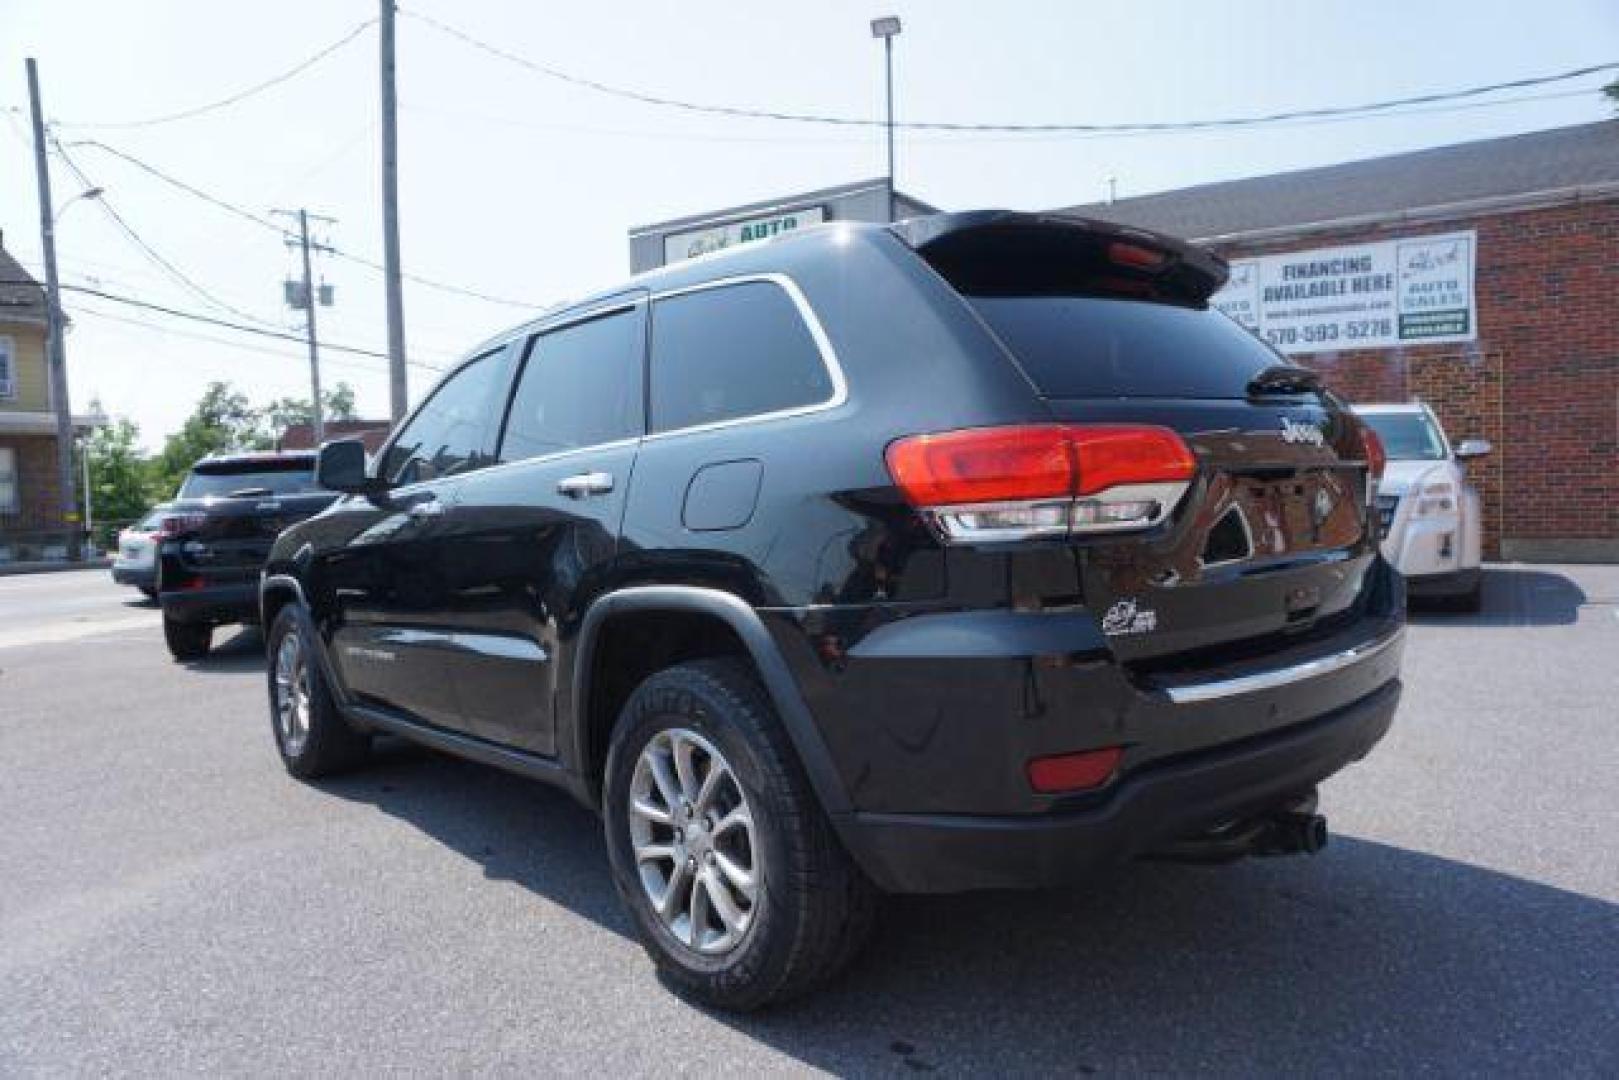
x: 719, y: 623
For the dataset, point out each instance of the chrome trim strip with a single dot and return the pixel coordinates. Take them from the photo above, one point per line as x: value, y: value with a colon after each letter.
x: 1270, y: 680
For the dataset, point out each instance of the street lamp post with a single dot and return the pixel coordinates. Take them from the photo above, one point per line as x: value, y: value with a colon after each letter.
x: 888, y: 28
x: 87, y: 195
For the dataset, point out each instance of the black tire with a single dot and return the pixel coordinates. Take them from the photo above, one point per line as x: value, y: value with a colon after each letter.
x: 148, y: 591
x: 187, y: 640
x: 814, y: 909
x: 328, y: 745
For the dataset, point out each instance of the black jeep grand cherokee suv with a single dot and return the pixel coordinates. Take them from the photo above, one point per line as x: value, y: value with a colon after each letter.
x: 971, y: 552
x: 215, y: 536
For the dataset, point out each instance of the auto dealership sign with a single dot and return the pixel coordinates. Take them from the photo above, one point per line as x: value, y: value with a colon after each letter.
x: 688, y: 245
x: 1364, y: 296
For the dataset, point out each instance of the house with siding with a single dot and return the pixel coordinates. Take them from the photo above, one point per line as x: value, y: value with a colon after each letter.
x: 32, y: 524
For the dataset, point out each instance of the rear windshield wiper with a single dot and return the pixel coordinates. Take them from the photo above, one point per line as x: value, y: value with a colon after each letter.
x: 1284, y: 379
x: 250, y: 492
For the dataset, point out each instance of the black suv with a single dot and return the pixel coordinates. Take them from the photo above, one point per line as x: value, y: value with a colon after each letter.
x: 215, y: 536
x: 975, y: 551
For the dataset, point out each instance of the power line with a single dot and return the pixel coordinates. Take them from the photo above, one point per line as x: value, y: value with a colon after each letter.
x: 738, y: 111
x: 195, y: 192
x: 226, y: 342
x: 441, y: 286
x: 151, y: 253
x: 210, y: 320
x: 860, y: 140
x: 241, y: 95
x: 266, y: 223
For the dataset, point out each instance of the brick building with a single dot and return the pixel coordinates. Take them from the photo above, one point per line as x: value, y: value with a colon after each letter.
x: 1530, y: 361
x: 31, y: 522
x: 373, y: 433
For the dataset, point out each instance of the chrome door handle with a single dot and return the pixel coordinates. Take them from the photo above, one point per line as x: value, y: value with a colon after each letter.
x: 426, y: 508
x: 582, y: 484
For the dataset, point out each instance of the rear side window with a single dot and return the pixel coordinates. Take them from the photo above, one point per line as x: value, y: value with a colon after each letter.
x: 1088, y: 346
x: 451, y: 433
x: 732, y: 351
x: 581, y: 386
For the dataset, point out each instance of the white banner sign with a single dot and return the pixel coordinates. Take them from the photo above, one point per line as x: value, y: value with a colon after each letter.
x: 1364, y: 296
x: 688, y: 245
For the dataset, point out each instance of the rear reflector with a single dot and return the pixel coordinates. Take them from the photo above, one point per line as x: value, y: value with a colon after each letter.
x: 1074, y: 772
x: 1009, y: 483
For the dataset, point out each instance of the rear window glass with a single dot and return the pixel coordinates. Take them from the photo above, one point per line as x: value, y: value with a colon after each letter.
x: 1087, y: 346
x: 246, y: 480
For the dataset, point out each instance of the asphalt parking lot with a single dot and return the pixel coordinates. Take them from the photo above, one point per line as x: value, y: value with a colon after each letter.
x: 170, y: 902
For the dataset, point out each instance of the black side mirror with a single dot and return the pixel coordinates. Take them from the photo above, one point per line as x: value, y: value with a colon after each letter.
x: 341, y: 467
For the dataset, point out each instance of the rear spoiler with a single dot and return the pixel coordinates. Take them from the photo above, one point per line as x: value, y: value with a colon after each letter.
x: 1006, y: 253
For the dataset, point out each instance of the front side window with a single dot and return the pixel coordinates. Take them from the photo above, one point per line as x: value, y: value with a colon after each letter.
x: 732, y: 351
x: 581, y: 386
x: 451, y: 433
x: 8, y: 480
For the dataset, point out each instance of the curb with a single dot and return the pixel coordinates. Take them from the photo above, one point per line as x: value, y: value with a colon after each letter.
x: 54, y: 566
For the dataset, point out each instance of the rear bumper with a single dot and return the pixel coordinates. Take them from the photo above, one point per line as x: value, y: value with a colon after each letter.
x: 1161, y: 803
x: 140, y: 577
x: 234, y: 602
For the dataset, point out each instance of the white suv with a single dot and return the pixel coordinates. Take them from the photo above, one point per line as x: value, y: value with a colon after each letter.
x: 1432, y: 520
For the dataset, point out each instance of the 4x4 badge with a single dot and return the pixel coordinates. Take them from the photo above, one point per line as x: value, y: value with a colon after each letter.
x: 1125, y: 617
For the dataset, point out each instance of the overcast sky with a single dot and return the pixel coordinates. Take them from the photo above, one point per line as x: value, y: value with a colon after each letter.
x: 523, y: 187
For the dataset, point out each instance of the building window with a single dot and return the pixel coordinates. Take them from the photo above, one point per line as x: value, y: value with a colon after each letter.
x: 8, y: 480
x: 8, y: 367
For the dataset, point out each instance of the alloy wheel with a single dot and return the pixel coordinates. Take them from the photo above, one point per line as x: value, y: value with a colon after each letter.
x: 291, y: 695
x: 692, y: 834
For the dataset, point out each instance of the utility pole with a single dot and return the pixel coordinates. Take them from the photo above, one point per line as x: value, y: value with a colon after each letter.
x: 888, y: 29
x: 398, y: 399
x: 56, y: 347
x: 318, y: 410
x: 306, y: 296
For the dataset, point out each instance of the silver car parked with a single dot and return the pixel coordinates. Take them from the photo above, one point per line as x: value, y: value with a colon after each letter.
x: 135, y: 562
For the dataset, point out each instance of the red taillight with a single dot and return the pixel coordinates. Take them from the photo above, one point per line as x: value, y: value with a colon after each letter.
x: 1042, y: 480
x: 1110, y: 455
x: 1074, y: 772
x: 984, y: 465
x: 179, y: 524
x: 1376, y: 457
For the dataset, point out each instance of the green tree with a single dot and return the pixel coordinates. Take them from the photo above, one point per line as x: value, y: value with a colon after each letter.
x: 121, y: 477
x: 223, y: 420
x: 282, y: 413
